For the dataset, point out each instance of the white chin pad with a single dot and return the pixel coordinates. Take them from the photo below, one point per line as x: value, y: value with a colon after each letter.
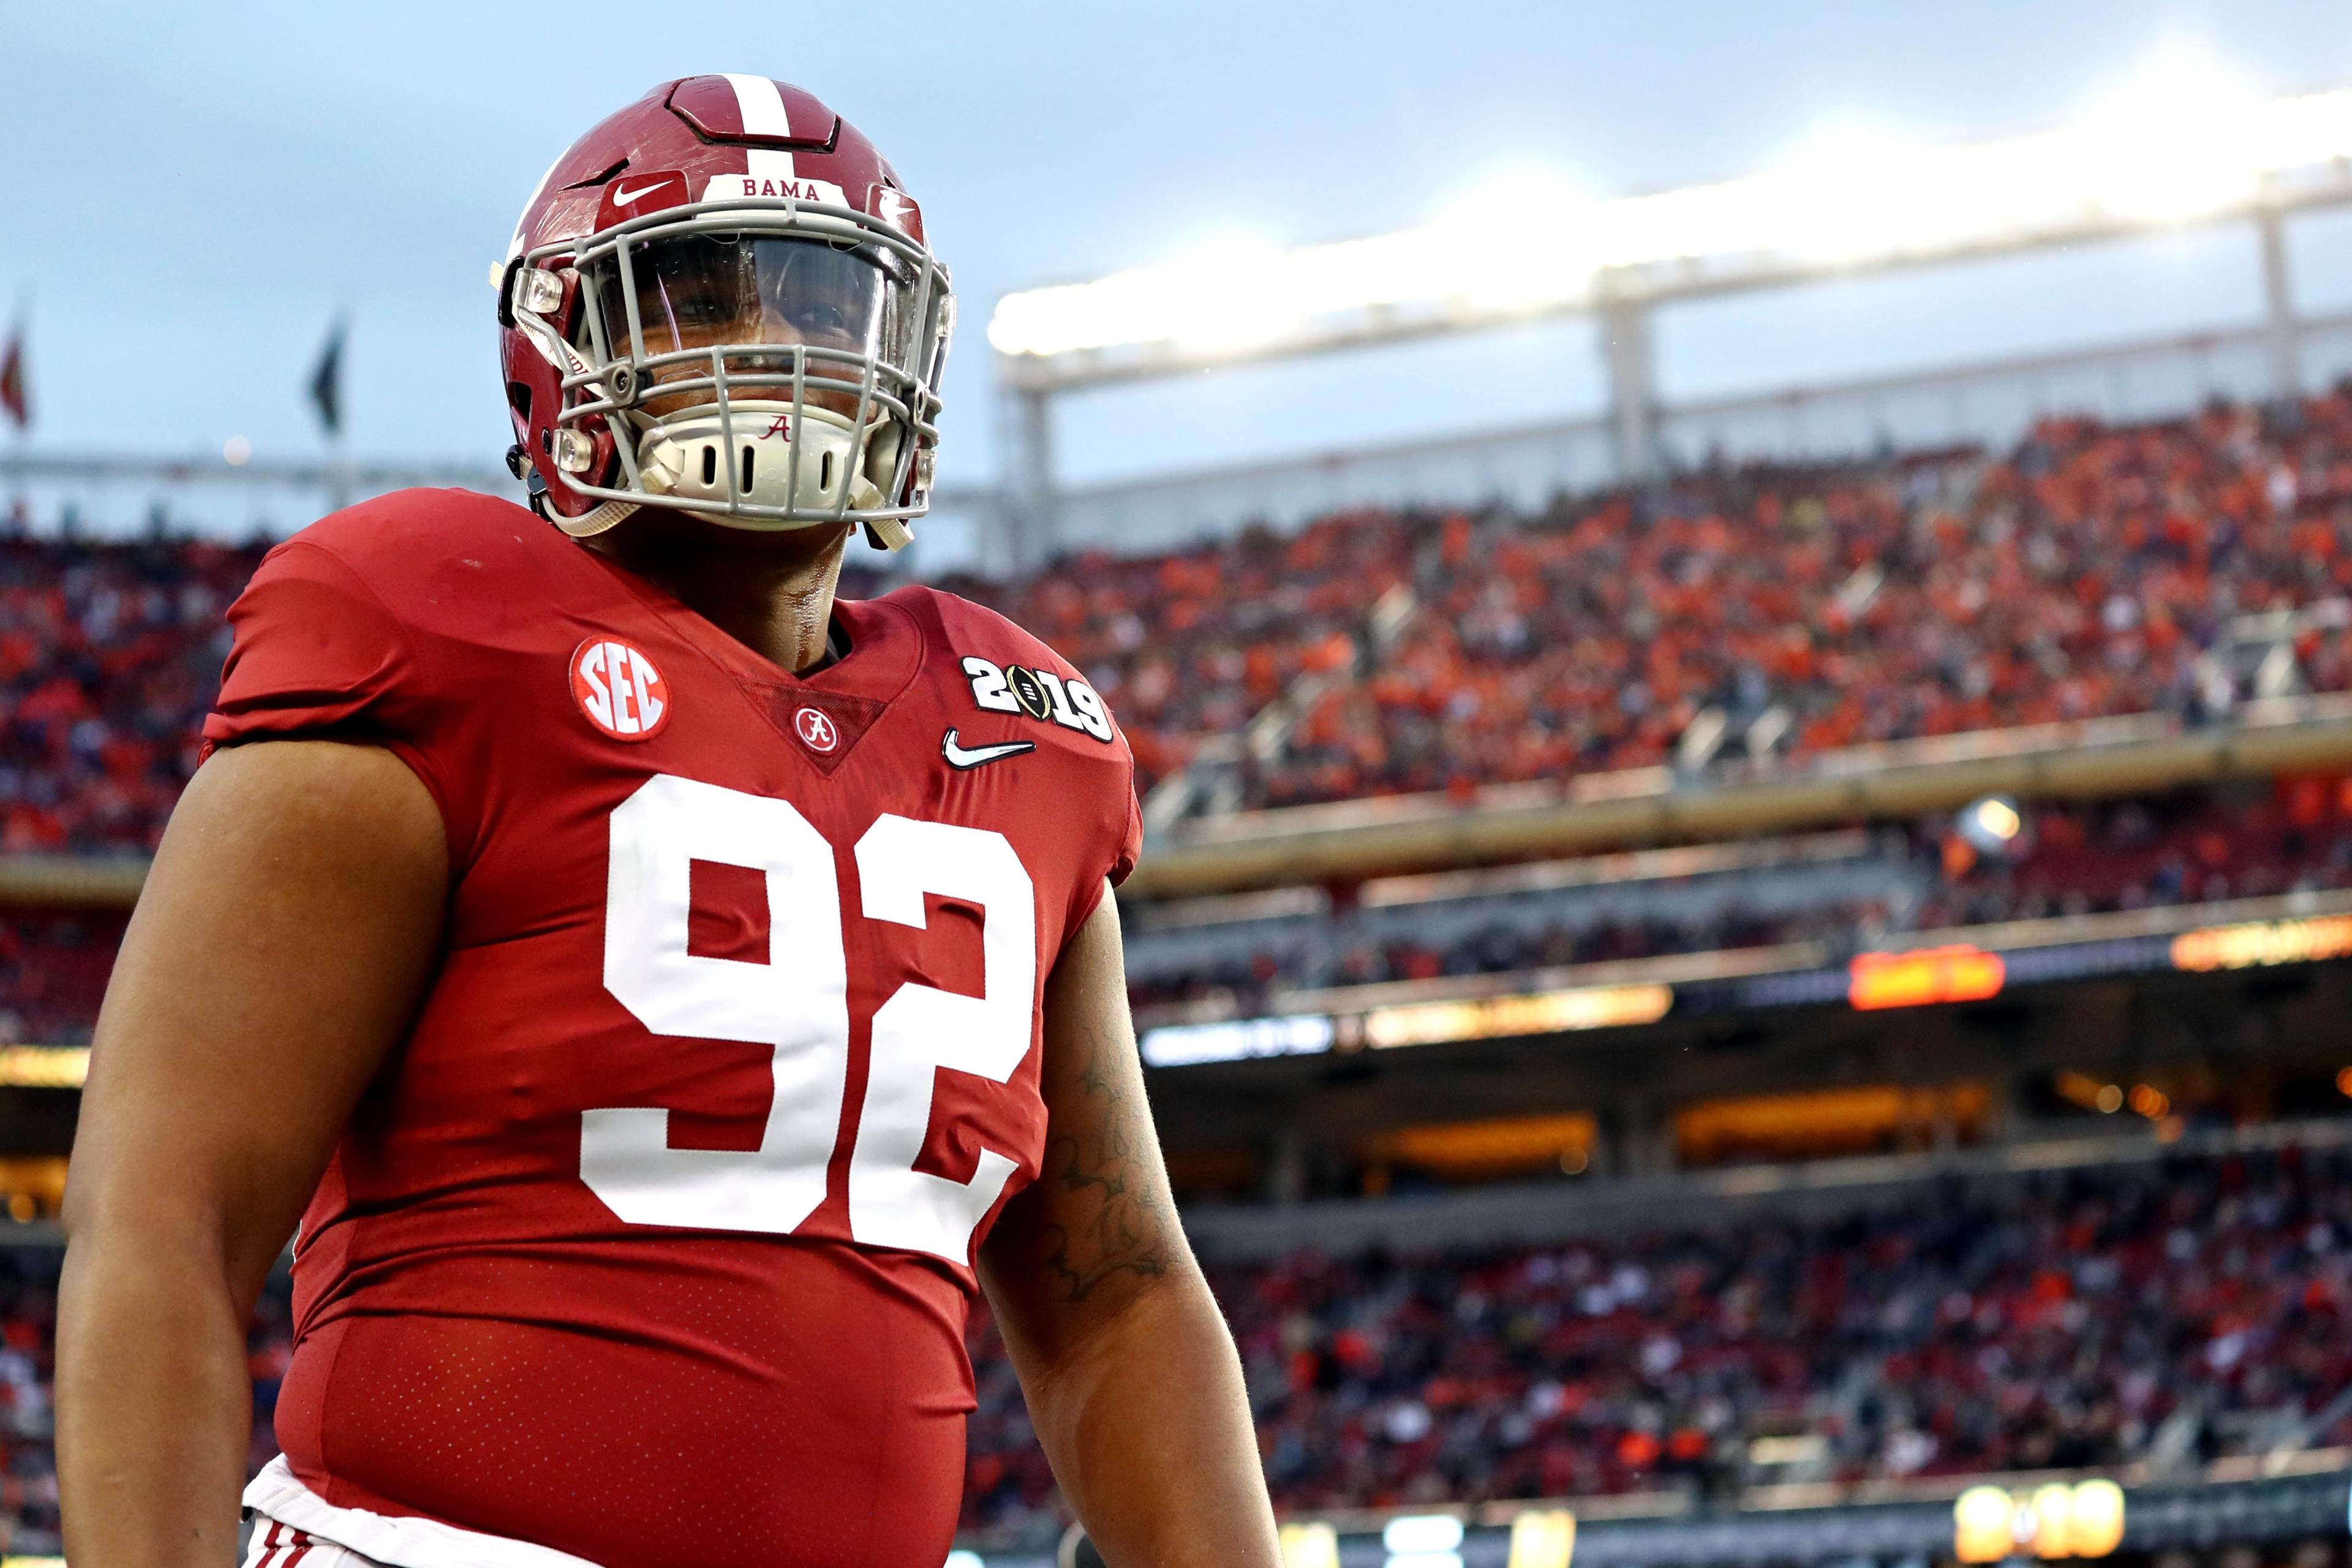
x: 690, y: 456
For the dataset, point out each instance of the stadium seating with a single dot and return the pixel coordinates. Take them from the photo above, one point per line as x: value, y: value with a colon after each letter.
x: 2085, y: 573
x: 2205, y: 1303
x: 2089, y: 571
x: 2075, y: 859
x: 2136, y: 854
x: 2201, y: 1304
x: 2068, y: 860
x: 1193, y: 645
x: 109, y: 655
x: 53, y: 970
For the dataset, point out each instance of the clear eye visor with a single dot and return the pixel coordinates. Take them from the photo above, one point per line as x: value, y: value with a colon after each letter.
x: 773, y: 367
x: 679, y: 298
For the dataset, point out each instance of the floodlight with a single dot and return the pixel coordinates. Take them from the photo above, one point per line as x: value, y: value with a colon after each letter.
x: 1844, y: 194
x: 1418, y: 1534
x: 2182, y: 140
x: 1994, y: 825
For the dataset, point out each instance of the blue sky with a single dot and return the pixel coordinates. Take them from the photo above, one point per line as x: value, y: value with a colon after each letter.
x: 198, y: 190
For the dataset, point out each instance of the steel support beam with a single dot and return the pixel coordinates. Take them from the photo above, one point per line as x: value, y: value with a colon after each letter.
x: 1630, y: 359
x: 1032, y: 513
x: 2278, y: 305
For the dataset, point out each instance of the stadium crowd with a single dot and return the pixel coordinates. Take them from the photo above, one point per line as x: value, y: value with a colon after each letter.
x: 109, y: 656
x: 2063, y: 1325
x: 2141, y: 853
x: 1194, y: 643
x: 53, y: 970
x: 2069, y: 859
x: 2083, y: 572
x: 2087, y: 571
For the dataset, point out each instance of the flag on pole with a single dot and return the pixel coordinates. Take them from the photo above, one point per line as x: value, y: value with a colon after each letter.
x: 327, y: 382
x: 14, y: 397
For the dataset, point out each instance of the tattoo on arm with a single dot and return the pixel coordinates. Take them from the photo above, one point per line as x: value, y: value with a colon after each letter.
x: 1111, y: 1216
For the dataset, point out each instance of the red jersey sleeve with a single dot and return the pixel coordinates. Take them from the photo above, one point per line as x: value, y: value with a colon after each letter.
x: 1121, y: 832
x: 1130, y: 842
x: 315, y: 654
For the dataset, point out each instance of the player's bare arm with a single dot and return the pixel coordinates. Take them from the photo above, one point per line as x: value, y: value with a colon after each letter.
x: 1131, y: 1377
x: 275, y: 958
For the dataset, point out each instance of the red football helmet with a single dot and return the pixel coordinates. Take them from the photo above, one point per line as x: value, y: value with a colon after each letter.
x: 720, y: 301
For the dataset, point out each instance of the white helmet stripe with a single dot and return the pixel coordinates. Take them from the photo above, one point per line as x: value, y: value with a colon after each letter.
x: 762, y: 106
x: 514, y: 245
x: 771, y: 164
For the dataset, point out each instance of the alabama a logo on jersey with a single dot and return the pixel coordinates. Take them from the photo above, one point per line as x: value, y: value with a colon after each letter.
x: 817, y: 730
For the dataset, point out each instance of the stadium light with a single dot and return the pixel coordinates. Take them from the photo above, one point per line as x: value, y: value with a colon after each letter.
x: 2184, y: 142
x: 2182, y: 138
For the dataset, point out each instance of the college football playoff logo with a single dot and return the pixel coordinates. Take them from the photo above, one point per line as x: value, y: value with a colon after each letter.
x: 1038, y: 693
x: 1028, y: 690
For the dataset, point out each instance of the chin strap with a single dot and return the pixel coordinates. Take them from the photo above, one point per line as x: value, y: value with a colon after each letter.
x: 597, y: 520
x: 588, y: 524
x: 887, y: 533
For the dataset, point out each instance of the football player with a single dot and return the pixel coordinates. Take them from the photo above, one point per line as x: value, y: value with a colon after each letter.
x: 664, y: 993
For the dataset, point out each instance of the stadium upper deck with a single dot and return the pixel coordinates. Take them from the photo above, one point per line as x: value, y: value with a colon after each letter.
x: 1848, y: 891
x: 2087, y: 572
x: 1773, y: 613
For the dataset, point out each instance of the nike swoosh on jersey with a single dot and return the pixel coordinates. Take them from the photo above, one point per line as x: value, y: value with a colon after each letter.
x: 958, y: 757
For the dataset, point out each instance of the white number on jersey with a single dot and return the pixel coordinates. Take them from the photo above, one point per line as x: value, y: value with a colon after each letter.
x: 921, y: 1029
x: 797, y: 1003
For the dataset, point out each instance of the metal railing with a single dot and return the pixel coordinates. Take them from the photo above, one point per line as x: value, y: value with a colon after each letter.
x: 1982, y: 403
x: 1985, y: 403
x: 1391, y: 834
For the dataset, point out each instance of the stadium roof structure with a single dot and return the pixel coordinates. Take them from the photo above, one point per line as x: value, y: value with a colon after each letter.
x: 2180, y: 148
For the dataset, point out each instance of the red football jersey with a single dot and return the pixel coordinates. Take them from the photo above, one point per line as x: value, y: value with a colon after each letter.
x: 653, y: 1244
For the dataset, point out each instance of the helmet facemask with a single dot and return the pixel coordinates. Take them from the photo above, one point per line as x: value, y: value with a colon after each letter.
x: 770, y: 366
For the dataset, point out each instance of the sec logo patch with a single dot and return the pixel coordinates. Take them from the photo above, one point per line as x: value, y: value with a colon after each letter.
x: 619, y: 688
